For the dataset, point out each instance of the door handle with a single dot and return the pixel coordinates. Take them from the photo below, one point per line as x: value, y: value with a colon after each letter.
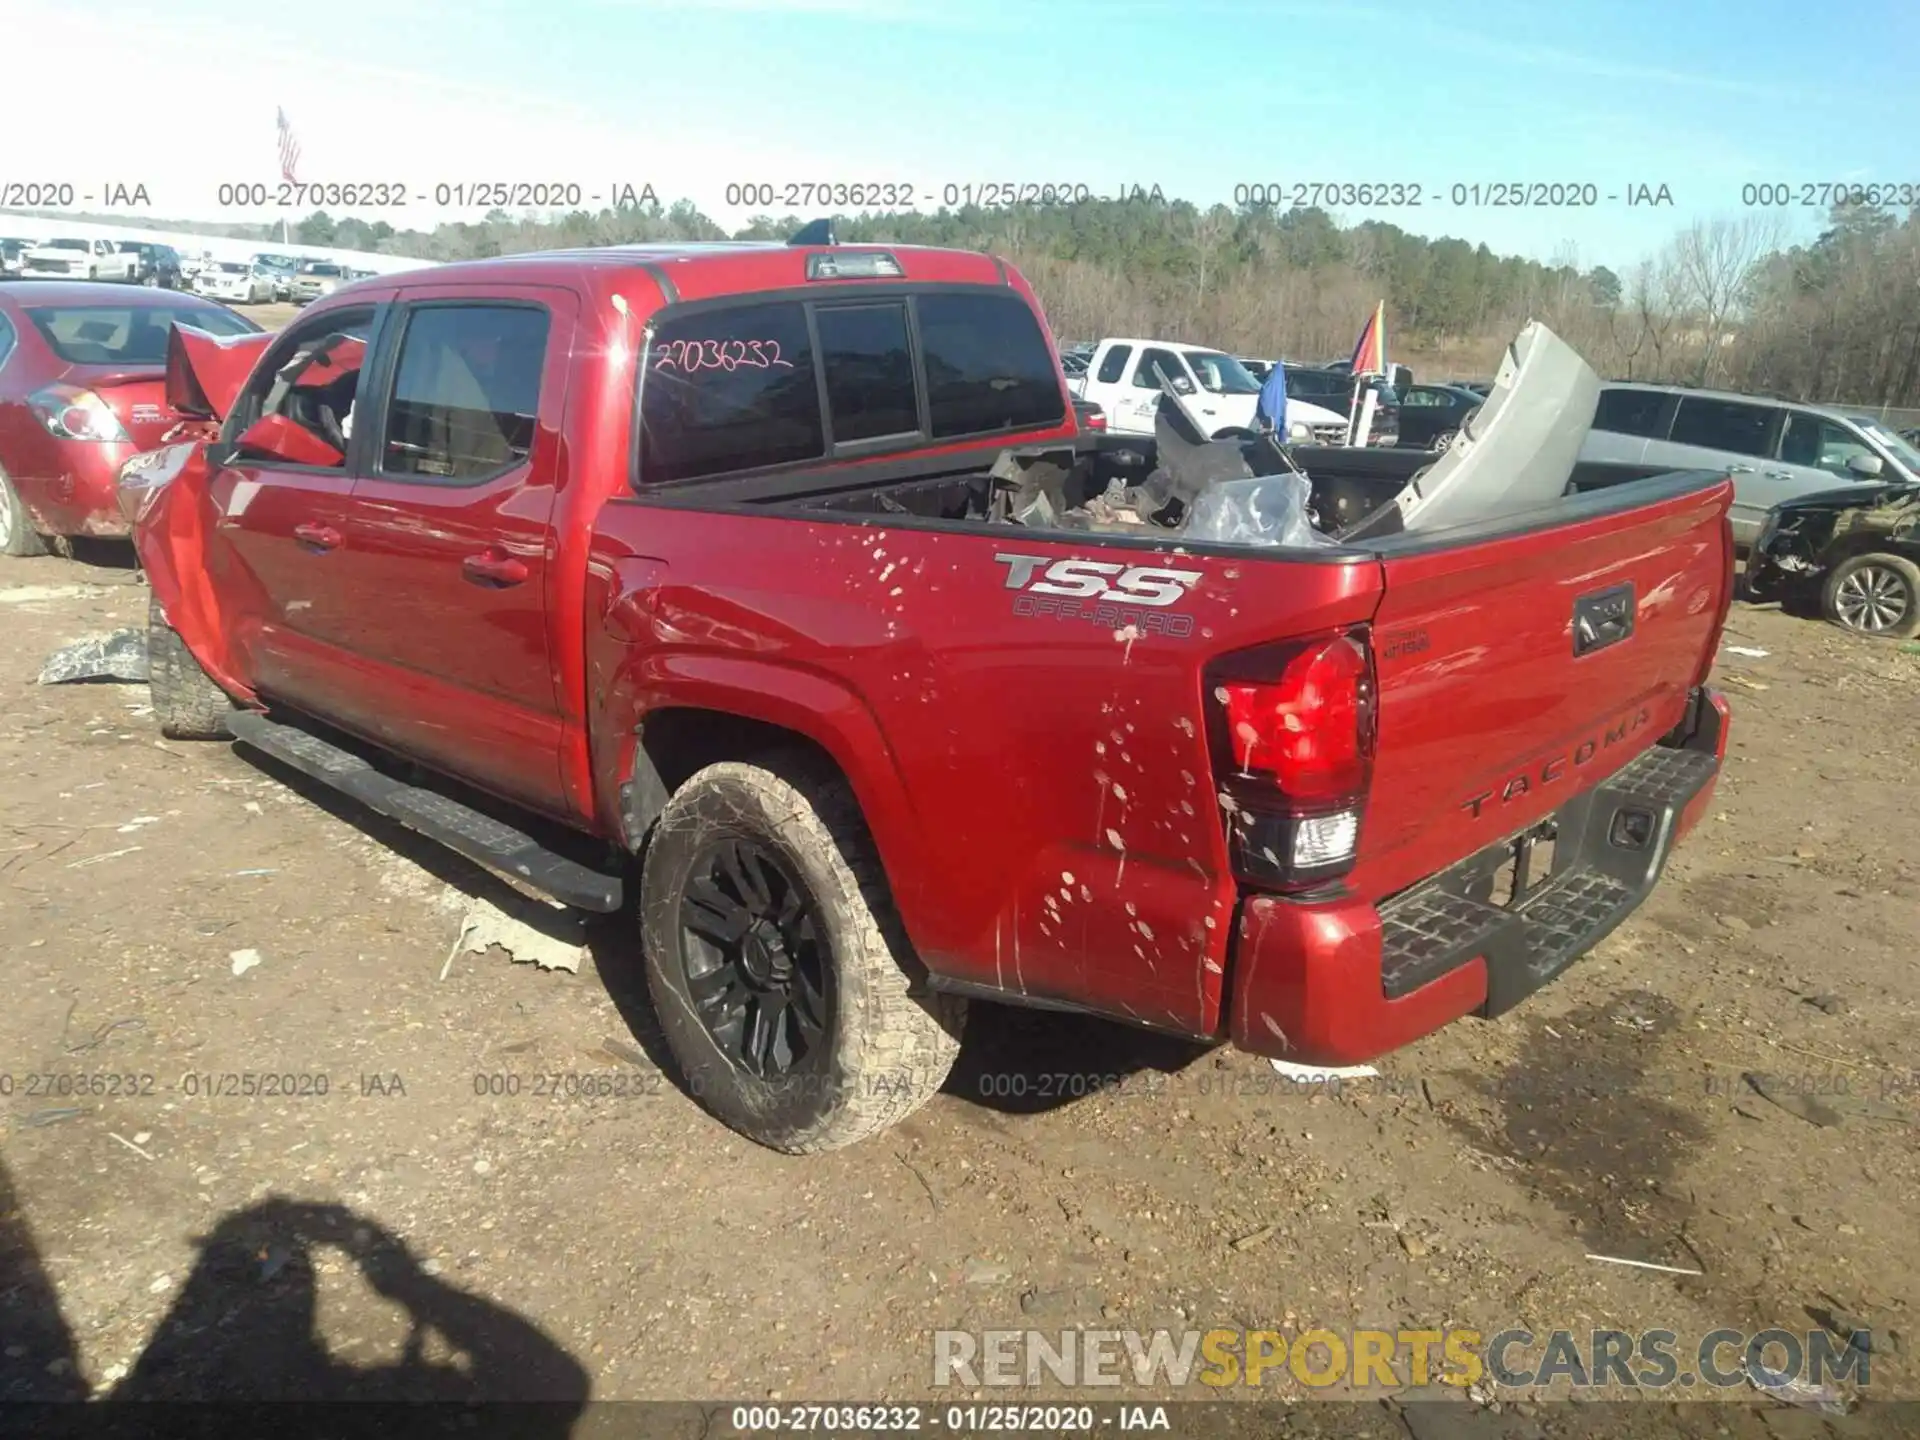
x: 316, y: 537
x: 1740, y: 469
x: 1779, y: 474
x: 494, y: 567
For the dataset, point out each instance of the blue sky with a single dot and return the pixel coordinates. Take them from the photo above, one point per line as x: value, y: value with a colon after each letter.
x: 1193, y: 95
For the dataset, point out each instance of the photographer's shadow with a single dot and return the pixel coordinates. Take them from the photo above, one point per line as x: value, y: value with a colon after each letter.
x: 243, y: 1327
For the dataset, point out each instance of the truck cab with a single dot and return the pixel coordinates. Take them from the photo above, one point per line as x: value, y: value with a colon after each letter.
x: 72, y: 258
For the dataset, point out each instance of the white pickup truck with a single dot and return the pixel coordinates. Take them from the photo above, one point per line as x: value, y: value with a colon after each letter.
x: 74, y: 259
x: 1123, y: 378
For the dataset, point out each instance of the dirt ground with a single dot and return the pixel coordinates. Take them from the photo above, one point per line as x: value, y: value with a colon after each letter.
x: 624, y: 1245
x: 271, y: 317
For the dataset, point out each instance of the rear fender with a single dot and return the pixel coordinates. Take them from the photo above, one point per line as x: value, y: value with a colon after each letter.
x: 174, y: 515
x: 809, y: 704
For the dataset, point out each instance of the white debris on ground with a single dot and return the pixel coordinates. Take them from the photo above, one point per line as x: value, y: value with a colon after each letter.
x: 1322, y: 1074
x: 244, y: 960
x: 536, y: 932
x: 120, y: 655
x: 34, y: 594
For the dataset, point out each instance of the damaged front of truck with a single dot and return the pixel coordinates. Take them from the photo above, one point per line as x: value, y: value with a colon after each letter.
x: 162, y: 492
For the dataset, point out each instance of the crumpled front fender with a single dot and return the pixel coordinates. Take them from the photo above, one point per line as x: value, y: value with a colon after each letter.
x: 166, y: 493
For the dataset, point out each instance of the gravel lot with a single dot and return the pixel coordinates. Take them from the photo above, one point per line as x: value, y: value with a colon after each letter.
x: 626, y: 1244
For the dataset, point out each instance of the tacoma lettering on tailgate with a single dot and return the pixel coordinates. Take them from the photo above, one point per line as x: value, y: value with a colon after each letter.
x: 1558, y: 766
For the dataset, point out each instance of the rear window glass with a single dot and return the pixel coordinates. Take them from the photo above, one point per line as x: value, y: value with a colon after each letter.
x: 1723, y: 425
x: 989, y: 366
x: 729, y: 390
x: 1115, y: 365
x: 126, y: 334
x: 1629, y: 412
x: 868, y: 362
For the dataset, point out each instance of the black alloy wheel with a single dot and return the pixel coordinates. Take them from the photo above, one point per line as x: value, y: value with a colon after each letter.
x: 755, y: 955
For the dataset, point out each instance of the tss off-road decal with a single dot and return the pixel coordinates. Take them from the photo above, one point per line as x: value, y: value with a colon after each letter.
x: 1101, y: 592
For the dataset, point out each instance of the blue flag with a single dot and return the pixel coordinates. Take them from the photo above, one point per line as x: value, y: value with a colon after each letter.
x: 1272, y: 404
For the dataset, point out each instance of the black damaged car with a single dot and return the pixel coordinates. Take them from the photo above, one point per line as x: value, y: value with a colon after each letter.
x: 1853, y: 555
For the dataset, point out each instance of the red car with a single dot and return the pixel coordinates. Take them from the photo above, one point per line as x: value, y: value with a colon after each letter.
x: 706, y: 567
x: 82, y: 368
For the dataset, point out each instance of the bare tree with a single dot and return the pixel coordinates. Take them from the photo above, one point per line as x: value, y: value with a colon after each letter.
x: 1714, y: 262
x: 1210, y: 231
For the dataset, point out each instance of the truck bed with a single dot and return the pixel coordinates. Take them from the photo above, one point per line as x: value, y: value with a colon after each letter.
x: 1348, y: 485
x: 1038, y: 720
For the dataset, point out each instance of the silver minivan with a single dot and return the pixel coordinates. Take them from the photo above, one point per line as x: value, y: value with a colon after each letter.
x: 1775, y: 449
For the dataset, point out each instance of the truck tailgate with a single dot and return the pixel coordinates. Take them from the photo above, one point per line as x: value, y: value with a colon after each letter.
x: 1517, y: 671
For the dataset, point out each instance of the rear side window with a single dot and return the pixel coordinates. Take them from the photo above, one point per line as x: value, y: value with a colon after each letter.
x: 126, y: 334
x: 1115, y: 365
x: 466, y: 391
x: 1157, y: 363
x: 729, y: 390
x: 1820, y: 444
x: 1723, y: 425
x: 1630, y: 412
x: 868, y: 361
x: 989, y: 367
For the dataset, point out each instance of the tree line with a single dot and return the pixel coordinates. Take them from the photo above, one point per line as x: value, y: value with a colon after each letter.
x: 1725, y: 303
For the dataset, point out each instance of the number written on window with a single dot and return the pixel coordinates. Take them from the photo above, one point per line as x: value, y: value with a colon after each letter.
x: 688, y: 356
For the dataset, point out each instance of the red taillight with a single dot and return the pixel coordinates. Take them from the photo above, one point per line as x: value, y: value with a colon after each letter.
x: 1307, y: 729
x: 1097, y: 420
x: 1294, y: 739
x: 73, y: 413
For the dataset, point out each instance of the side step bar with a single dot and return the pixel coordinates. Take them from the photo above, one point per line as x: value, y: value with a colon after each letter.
x: 458, y: 827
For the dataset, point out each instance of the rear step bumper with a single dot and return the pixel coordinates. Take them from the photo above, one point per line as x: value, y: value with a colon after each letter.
x: 459, y: 827
x: 1344, y: 982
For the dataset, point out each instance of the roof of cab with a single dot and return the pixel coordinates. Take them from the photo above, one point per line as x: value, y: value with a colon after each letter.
x: 696, y: 270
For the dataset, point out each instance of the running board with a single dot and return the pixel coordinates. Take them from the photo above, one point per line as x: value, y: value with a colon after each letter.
x: 459, y: 827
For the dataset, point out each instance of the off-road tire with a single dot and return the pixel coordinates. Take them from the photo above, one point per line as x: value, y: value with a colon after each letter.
x: 1904, y: 574
x: 889, y: 1046
x: 21, y: 539
x: 188, y: 705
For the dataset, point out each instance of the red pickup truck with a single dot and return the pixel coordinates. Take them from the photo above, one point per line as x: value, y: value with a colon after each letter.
x: 692, y: 568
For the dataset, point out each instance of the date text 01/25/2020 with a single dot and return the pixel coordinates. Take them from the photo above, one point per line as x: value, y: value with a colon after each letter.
x: 910, y: 195
x: 396, y: 193
x: 1469, y: 195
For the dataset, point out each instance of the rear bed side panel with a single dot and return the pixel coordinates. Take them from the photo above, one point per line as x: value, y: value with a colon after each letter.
x: 1034, y: 766
x: 1488, y: 721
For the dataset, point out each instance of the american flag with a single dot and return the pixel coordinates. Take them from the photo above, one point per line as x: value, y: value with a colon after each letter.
x: 289, y: 149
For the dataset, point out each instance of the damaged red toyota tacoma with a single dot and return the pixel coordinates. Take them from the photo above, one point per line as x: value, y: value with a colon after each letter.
x: 765, y: 581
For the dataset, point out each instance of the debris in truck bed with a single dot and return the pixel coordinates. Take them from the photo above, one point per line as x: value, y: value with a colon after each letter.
x: 1516, y: 453
x: 1263, y: 510
x: 121, y: 656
